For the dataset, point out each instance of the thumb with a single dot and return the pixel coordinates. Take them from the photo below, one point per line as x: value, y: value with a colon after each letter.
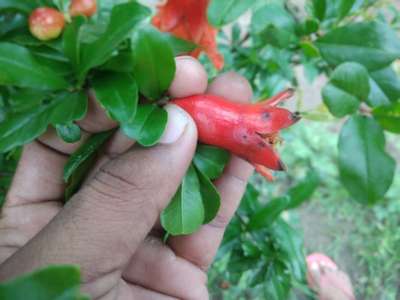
x: 102, y: 225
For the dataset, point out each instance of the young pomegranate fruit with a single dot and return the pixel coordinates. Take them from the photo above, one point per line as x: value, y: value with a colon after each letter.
x: 46, y: 23
x: 83, y: 8
x: 250, y: 131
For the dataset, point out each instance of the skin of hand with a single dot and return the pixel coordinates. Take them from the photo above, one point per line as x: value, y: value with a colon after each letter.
x: 332, y: 284
x: 110, y: 227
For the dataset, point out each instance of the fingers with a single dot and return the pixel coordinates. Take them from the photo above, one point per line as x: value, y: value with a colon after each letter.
x: 154, y: 262
x: 38, y: 176
x: 139, y: 293
x: 201, y: 247
x: 102, y: 225
x: 190, y: 78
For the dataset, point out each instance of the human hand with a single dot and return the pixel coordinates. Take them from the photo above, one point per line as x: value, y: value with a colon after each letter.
x: 110, y: 228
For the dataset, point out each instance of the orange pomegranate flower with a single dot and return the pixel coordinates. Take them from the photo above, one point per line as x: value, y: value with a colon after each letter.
x: 187, y: 19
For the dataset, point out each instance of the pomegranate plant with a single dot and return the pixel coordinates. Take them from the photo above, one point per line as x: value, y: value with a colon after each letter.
x: 55, y: 53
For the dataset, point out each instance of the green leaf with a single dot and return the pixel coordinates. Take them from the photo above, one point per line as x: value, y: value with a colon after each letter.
x: 118, y: 94
x: 221, y: 12
x: 249, y: 202
x: 273, y: 24
x: 185, y: 213
x: 179, y: 46
x: 211, y: 160
x: 124, y: 18
x: 366, y: 170
x: 84, y: 152
x: 148, y: 125
x: 269, y: 213
x: 71, y: 41
x: 309, y: 49
x: 385, y: 87
x: 25, y: 6
x: 319, y: 9
x: 11, y: 21
x: 388, y: 117
x: 154, y: 63
x: 210, y: 196
x: 23, y: 127
x: 344, y: 7
x: 71, y: 107
x: 290, y: 244
x: 277, y: 282
x: 51, y: 283
x: 69, y: 133
x: 303, y: 190
x: 122, y: 62
x: 348, y: 85
x: 19, y: 67
x: 372, y: 44
x: 26, y: 98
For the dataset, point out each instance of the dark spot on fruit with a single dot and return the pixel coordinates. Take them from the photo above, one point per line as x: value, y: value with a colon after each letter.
x: 295, y: 116
x: 262, y: 144
x: 281, y: 166
x: 265, y: 115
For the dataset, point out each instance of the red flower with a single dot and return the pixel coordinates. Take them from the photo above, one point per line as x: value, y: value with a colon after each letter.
x: 248, y: 130
x: 187, y: 19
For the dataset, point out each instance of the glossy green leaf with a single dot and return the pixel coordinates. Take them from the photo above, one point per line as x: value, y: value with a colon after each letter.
x: 303, y: 190
x: 11, y: 21
x: 249, y: 202
x: 309, y: 49
x: 19, y: 67
x: 23, y: 127
x: 25, y: 98
x: 344, y: 7
x: 148, y: 125
x: 179, y: 46
x: 388, y: 116
x: 51, y: 283
x: 319, y: 9
x: 277, y: 283
x: 70, y: 107
x: 221, y: 12
x: 348, y: 85
x: 372, y: 44
x: 210, y: 196
x: 366, y: 170
x: 385, y: 87
x: 273, y: 24
x: 124, y: 18
x: 211, y: 160
x: 291, y: 247
x: 185, y: 213
x: 69, y: 133
x: 71, y: 41
x: 154, y: 63
x: 118, y: 94
x: 122, y: 62
x: 25, y: 6
x: 84, y: 152
x: 269, y: 213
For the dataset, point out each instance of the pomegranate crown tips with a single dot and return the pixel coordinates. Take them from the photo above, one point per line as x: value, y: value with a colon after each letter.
x: 250, y: 131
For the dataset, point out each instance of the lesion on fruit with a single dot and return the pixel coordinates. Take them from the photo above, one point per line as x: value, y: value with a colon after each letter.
x: 271, y: 138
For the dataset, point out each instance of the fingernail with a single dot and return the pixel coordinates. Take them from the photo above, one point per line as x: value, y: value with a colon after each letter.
x: 177, y: 122
x: 315, y: 270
